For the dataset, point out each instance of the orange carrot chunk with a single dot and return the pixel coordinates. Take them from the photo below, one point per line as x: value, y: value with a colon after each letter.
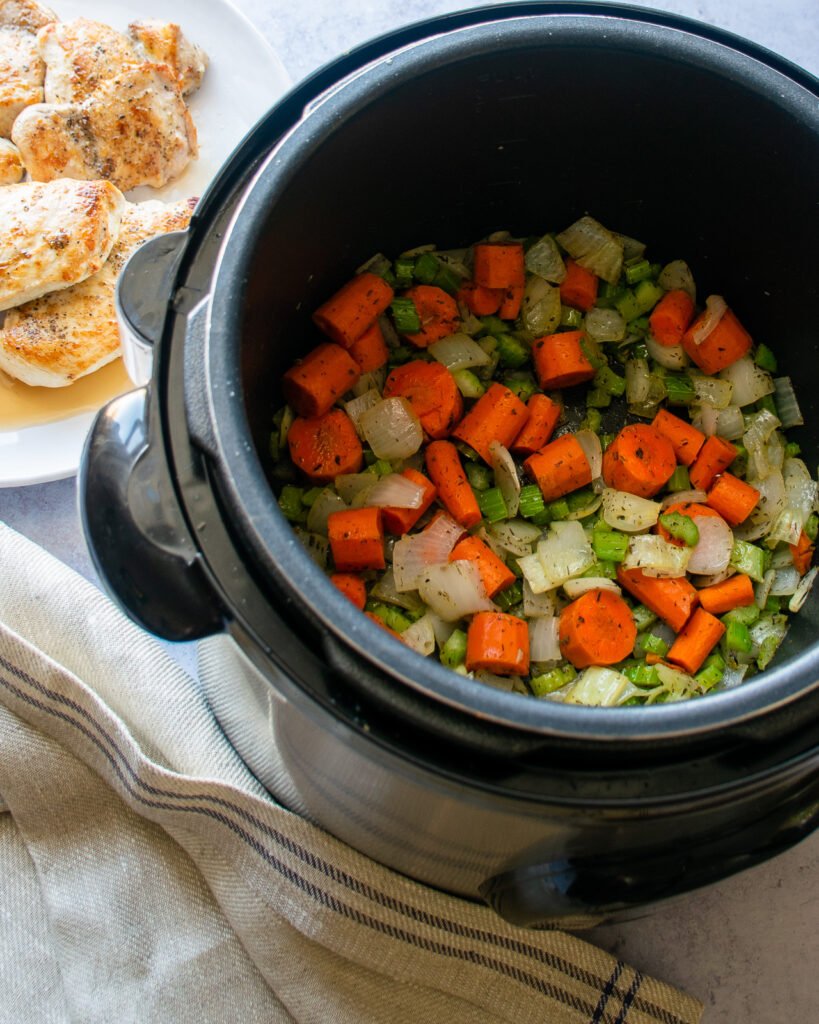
x: 499, y: 265
x: 479, y: 300
x: 370, y: 350
x: 447, y: 473
x: 356, y: 539
x: 802, y: 553
x: 695, y: 641
x: 431, y: 391
x: 401, y: 520
x: 512, y: 300
x: 727, y: 342
x: 495, y: 573
x: 671, y: 316
x: 639, y: 460
x: 560, y: 361
x: 352, y: 587
x: 325, y: 446
x: 673, y: 600
x: 498, y: 415
x: 353, y: 308
x: 498, y: 643
x: 732, y: 498
x: 579, y: 287
x: 597, y: 629
x: 715, y: 456
x: 437, y: 311
x: 735, y: 592
x: 543, y: 417
x: 316, y: 383
x: 559, y: 468
x: 685, y: 439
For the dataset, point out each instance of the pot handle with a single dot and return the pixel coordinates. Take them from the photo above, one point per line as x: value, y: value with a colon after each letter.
x: 137, y: 536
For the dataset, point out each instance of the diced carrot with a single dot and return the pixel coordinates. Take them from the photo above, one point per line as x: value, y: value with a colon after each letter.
x: 732, y: 498
x: 431, y: 391
x: 383, y: 625
x: 353, y: 308
x: 639, y: 460
x: 313, y: 385
x: 499, y: 265
x: 735, y: 592
x: 352, y: 587
x: 597, y: 629
x: 498, y: 415
x: 715, y: 456
x: 727, y: 342
x: 671, y: 316
x: 560, y: 467
x: 401, y: 520
x: 802, y: 553
x: 325, y: 446
x: 495, y: 573
x: 370, y: 350
x: 356, y: 539
x: 692, y: 509
x: 543, y: 417
x: 479, y: 300
x: 560, y: 361
x: 498, y: 643
x: 447, y: 473
x: 673, y: 600
x: 512, y: 299
x: 695, y: 641
x: 685, y: 439
x: 438, y: 312
x: 579, y: 287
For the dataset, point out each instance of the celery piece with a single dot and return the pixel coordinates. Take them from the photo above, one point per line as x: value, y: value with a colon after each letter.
x: 747, y: 615
x: 402, y: 354
x: 681, y: 528
x: 739, y: 467
x: 647, y: 643
x: 767, y: 404
x: 737, y: 638
x: 609, y: 545
x: 711, y: 672
x: 592, y: 421
x: 531, y: 501
x: 290, y: 502
x: 637, y: 270
x: 403, y: 270
x: 627, y: 306
x: 679, y: 480
x: 558, y: 509
x: 467, y: 451
x: 468, y: 384
x: 578, y: 500
x: 748, y: 558
x: 479, y: 476
x: 637, y: 327
x: 642, y: 675
x: 773, y: 605
x: 610, y: 381
x: 604, y: 569
x: 453, y: 653
x: 609, y: 295
x: 521, y: 383
x: 570, y: 317
x: 551, y: 681
x: 606, y: 440
x: 390, y: 616
x: 765, y: 359
x: 512, y: 352
x: 679, y: 388
x: 792, y: 449
x: 447, y: 279
x: 405, y: 315
x: 643, y: 617
x: 426, y: 268
x: 310, y: 496
x: 647, y: 294
x: 493, y: 507
x: 493, y: 325
x: 509, y: 596
x: 812, y: 526
x: 598, y: 398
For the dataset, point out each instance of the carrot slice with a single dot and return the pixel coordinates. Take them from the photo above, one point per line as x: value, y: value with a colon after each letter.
x: 579, y: 287
x: 512, y: 300
x: 685, y: 439
x: 732, y: 498
x: 560, y: 361
x: 802, y: 553
x: 499, y: 643
x: 356, y: 539
x: 401, y: 520
x: 313, y: 385
x: 715, y: 456
x: 597, y: 629
x: 559, y: 468
x: 498, y: 415
x: 671, y: 316
x: 325, y: 446
x: 352, y: 587
x: 438, y: 312
x: 639, y: 460
x: 543, y: 417
x: 447, y: 473
x: 495, y: 573
x: 673, y: 600
x: 735, y: 592
x: 727, y: 342
x: 370, y: 350
x: 479, y: 300
x: 431, y: 391
x: 353, y: 308
x: 499, y: 265
x: 695, y: 641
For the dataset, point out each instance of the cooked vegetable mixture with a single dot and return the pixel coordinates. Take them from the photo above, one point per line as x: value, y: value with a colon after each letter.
x: 544, y: 463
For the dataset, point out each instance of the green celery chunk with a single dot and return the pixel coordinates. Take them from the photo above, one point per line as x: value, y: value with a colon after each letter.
x: 290, y: 502
x: 647, y: 643
x: 512, y: 352
x: 643, y: 617
x: 453, y: 653
x: 552, y: 680
x: 812, y: 526
x: 493, y: 507
x: 403, y: 270
x: 748, y: 558
x: 738, y: 638
x: 711, y: 672
x: 679, y: 388
x: 592, y: 421
x: 468, y: 384
x: 479, y: 476
x: 405, y: 315
x: 642, y: 675
x: 765, y: 359
x: 509, y: 596
x: 598, y: 398
x: 681, y: 528
x: 570, y: 317
x: 610, y: 381
x: 609, y: 545
x: 637, y: 270
x: 531, y: 501
x: 494, y: 325
x: 679, y: 480
x: 521, y: 383
x: 747, y: 615
x: 390, y: 615
x: 310, y: 496
x: 426, y: 268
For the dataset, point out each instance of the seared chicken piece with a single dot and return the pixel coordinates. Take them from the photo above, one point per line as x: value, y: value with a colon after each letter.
x: 80, y: 55
x: 11, y: 163
x: 65, y: 335
x: 21, y: 68
x: 164, y: 43
x: 54, y: 235
x: 134, y: 129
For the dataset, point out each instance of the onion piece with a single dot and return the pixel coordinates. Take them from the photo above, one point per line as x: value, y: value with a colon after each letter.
x: 592, y: 449
x: 512, y: 684
x: 712, y: 552
x: 587, y: 510
x: 713, y: 391
x: 322, y: 508
x: 384, y: 589
x: 459, y: 352
x: 351, y: 485
x: 535, y: 576
x: 604, y: 325
x: 392, y: 491
x: 762, y: 591
x: 715, y: 308
x: 575, y: 588
x: 628, y: 512
x: 786, y: 582
x: 414, y: 553
x: 786, y: 404
x: 684, y: 498
x: 656, y: 556
x: 392, y: 429
x: 750, y: 382
x: 601, y: 687
x: 443, y: 630
x: 357, y: 406
x: 800, y: 595
x: 730, y: 423
x: 535, y: 605
x: 755, y: 440
x: 732, y: 677
x: 594, y: 247
x: 454, y: 590
x: 316, y: 546
x: 677, y: 276
x: 564, y: 552
x: 771, y: 503
x: 544, y: 642
x: 515, y: 536
x: 420, y: 636
x: 638, y: 381
x: 506, y: 476
x: 540, y: 307
x: 677, y: 684
x: 672, y: 357
x: 706, y: 419
x: 632, y: 249
x: 544, y: 259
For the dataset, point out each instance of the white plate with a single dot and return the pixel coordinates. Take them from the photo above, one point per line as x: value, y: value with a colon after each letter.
x: 244, y: 79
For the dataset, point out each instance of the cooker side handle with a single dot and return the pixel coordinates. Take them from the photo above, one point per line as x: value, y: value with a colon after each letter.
x: 136, y: 534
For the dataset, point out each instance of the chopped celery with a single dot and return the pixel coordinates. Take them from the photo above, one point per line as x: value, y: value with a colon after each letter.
x: 531, y: 501
x: 453, y: 653
x: 570, y: 317
x: 493, y: 507
x: 592, y: 421
x: 467, y: 451
x: 641, y: 674
x: 551, y: 681
x: 290, y: 502
x: 403, y: 269
x: 310, y: 496
x: 512, y: 352
x: 643, y: 617
x: 767, y: 404
x: 479, y: 476
x: 468, y: 384
x: 812, y: 526
x: 747, y: 615
x: 792, y: 449
x: 648, y: 643
x: 390, y: 616
x: 765, y: 359
x: 609, y: 381
x: 679, y: 480
x: 711, y: 672
x: 494, y: 325
x: 681, y: 528
x: 523, y: 384
x: 604, y: 568
x: 578, y: 500
x: 679, y: 388
x: 426, y: 268
x: 748, y: 558
x: 737, y: 638
x: 510, y: 596
x: 405, y: 315
x: 598, y: 398
x: 637, y: 270
x: 609, y: 545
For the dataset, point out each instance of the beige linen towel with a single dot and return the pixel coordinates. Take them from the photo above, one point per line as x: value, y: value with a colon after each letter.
x: 146, y: 876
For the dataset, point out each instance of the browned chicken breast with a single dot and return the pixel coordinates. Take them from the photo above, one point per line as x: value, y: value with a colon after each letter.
x: 61, y: 337
x: 11, y: 163
x: 164, y: 43
x: 79, y: 56
x: 21, y: 67
x: 54, y: 235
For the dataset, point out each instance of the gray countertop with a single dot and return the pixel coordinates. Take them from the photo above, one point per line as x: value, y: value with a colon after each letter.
x: 748, y: 947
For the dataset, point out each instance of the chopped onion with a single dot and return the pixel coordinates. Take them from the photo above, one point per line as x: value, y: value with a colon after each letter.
x: 454, y: 590
x: 512, y: 684
x: 443, y: 630
x: 322, y: 508
x: 801, y: 493
x: 535, y: 605
x: 755, y: 440
x: 632, y: 249
x: 544, y: 643
x: 656, y: 556
x: 683, y: 498
x: 678, y: 685
x: 392, y: 429
x: 544, y: 259
x: 594, y: 247
x: 384, y: 590
x: 786, y: 404
x: 785, y: 582
x: 564, y: 552
x: 628, y: 512
x: 800, y: 595
x: 733, y: 676
x: 414, y: 553
x: 715, y: 309
x: 587, y: 510
x: 775, y: 451
x: 604, y: 325
x: 601, y: 687
x: 706, y: 420
x: 718, y: 577
x: 459, y: 352
x: 506, y: 476
x: 574, y: 588
x: 592, y: 449
x: 712, y: 552
x: 350, y: 485
x: 713, y: 391
x: 317, y: 547
x: 672, y: 357
x: 357, y: 406
x: 420, y: 636
x: 770, y: 505
x: 540, y: 308
x: 534, y: 575
x: 392, y: 491
x: 677, y: 276
x: 638, y: 381
x: 750, y: 382
x: 730, y: 423
x: 762, y: 591
x: 515, y: 536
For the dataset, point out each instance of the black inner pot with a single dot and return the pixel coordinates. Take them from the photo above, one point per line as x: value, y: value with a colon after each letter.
x: 694, y: 148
